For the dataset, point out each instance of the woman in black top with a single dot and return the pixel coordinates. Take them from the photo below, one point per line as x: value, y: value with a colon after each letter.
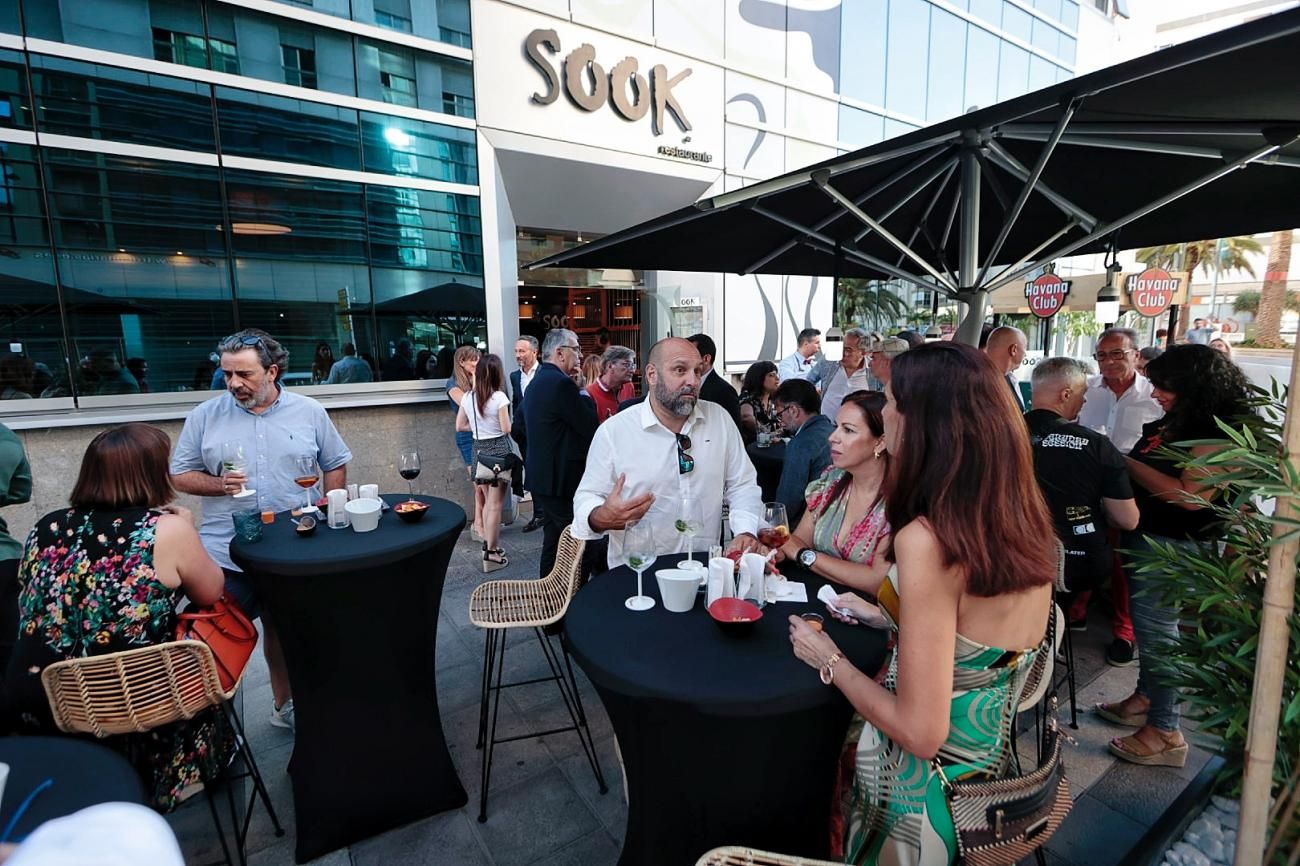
x: 1194, y: 385
x: 757, y: 411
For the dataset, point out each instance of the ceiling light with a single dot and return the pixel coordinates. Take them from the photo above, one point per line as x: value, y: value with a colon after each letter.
x: 257, y: 229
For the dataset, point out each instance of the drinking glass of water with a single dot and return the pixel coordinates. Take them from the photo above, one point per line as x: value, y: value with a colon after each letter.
x: 639, y: 553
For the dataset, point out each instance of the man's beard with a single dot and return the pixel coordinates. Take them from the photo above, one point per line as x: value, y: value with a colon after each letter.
x: 250, y: 402
x: 680, y: 402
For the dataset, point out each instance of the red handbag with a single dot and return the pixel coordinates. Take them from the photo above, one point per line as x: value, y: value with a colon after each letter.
x: 227, y: 631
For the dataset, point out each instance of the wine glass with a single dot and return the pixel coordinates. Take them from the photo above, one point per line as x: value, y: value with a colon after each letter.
x: 688, y: 523
x: 774, y: 531
x: 639, y: 553
x: 306, y: 473
x: 409, y: 468
x: 234, y: 460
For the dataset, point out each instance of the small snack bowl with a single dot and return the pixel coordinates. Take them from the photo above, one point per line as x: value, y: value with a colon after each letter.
x: 364, y: 514
x: 411, y: 511
x: 306, y: 526
x: 735, y: 616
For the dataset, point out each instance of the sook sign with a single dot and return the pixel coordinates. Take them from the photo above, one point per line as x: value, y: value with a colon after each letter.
x: 588, y: 87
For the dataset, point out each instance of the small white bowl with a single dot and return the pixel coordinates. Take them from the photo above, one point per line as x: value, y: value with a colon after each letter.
x: 677, y: 587
x: 364, y: 513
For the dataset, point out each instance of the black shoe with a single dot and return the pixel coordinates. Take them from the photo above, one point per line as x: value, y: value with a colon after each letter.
x: 1078, y: 625
x: 1121, y: 653
x: 535, y: 523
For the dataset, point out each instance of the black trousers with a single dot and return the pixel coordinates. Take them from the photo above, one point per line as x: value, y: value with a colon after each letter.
x: 517, y: 480
x: 557, y: 513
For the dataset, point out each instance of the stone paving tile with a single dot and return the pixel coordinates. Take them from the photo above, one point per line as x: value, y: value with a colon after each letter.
x: 1094, y: 834
x: 536, y: 818
x: 609, y: 807
x: 594, y: 848
x: 443, y: 839
x: 511, y: 762
x: 1140, y: 793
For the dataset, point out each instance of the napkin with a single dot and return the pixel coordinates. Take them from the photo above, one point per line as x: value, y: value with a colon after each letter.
x: 750, y: 582
x: 721, y: 579
x: 786, y: 590
x: 828, y: 595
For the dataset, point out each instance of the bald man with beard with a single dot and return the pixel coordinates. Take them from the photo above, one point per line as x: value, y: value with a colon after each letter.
x: 673, y: 446
x: 1006, y: 349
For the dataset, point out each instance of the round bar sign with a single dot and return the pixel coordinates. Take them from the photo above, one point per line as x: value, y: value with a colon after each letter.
x: 1047, y: 295
x: 1152, y: 291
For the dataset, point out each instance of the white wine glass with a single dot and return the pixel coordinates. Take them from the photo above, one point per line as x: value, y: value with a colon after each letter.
x: 688, y: 523
x: 306, y: 474
x: 234, y: 460
x: 639, y: 553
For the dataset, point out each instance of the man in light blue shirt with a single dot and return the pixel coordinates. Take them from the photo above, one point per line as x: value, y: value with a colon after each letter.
x: 274, y: 426
x: 349, y: 370
x: 801, y: 364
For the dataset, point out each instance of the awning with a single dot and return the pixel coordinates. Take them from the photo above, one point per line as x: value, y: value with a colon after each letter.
x: 1197, y: 140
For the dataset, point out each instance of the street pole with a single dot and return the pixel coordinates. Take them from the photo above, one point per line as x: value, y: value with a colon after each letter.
x: 968, y: 331
x: 1214, y: 284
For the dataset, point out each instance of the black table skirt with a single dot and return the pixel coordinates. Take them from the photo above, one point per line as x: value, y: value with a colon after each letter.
x: 83, y: 773
x: 725, y: 740
x: 768, y: 463
x: 357, y: 615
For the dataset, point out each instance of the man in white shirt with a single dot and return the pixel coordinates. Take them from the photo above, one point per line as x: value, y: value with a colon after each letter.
x: 526, y: 348
x: 672, y: 446
x: 849, y: 375
x: 1119, y: 400
x: 800, y: 365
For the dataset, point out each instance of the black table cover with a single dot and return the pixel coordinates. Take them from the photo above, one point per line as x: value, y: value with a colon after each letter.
x: 82, y: 773
x: 357, y: 614
x: 768, y: 463
x: 725, y: 740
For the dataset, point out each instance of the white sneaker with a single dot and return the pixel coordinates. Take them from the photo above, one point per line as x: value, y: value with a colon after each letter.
x: 282, y: 716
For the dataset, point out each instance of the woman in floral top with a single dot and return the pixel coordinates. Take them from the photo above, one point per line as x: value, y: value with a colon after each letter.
x: 104, y: 575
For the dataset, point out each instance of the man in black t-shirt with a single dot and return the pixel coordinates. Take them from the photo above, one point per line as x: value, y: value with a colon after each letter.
x: 1083, y: 477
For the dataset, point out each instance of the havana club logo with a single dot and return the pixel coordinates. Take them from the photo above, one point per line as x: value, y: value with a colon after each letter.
x: 1046, y: 295
x: 1152, y: 291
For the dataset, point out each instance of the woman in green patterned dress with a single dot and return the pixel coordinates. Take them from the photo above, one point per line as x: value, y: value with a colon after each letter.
x: 974, y: 561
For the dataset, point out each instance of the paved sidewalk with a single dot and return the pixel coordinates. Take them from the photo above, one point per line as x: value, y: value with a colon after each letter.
x: 545, y: 808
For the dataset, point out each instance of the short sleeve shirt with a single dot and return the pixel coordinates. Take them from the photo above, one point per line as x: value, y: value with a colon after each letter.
x: 485, y: 425
x: 294, y: 426
x: 1076, y: 469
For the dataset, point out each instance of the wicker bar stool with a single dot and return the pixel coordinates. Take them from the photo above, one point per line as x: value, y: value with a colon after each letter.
x: 137, y: 690
x: 733, y: 855
x: 500, y: 605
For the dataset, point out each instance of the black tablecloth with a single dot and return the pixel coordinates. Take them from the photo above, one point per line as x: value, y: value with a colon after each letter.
x: 725, y: 740
x: 357, y: 614
x: 768, y: 463
x: 83, y: 773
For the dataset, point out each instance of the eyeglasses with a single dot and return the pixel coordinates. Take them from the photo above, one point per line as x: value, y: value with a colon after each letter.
x: 577, y: 349
x: 780, y: 413
x: 685, y: 462
x: 1113, y: 355
x: 251, y: 340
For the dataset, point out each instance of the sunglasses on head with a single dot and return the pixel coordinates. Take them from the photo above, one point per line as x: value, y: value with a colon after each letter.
x: 685, y: 462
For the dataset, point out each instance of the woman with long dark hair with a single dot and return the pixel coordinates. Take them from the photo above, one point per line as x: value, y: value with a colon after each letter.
x: 321, y: 363
x: 969, y: 597
x: 460, y: 383
x: 1194, y: 385
x: 757, y: 410
x: 485, y: 413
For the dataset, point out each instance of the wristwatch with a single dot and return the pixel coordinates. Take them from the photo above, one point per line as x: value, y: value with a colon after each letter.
x: 807, y: 556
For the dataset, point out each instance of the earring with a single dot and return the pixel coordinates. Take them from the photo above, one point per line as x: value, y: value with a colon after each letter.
x: 880, y: 450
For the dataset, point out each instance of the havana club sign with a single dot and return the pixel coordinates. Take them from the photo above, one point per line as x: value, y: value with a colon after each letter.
x: 1046, y: 295
x: 1152, y: 291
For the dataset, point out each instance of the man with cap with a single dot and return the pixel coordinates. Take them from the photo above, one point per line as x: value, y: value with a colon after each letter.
x: 881, y: 354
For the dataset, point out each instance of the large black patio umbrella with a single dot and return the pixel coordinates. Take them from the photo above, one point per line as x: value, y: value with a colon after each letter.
x: 1194, y: 141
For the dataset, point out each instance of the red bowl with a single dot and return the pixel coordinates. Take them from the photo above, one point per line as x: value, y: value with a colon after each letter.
x: 734, y: 616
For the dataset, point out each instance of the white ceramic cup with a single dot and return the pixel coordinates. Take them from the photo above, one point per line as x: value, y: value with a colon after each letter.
x: 677, y: 587
x: 369, y: 491
x: 364, y: 514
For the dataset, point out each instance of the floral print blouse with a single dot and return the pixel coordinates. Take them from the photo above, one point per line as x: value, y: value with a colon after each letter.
x: 827, y: 498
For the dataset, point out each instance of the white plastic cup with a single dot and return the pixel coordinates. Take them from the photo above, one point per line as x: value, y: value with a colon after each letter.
x: 678, y: 587
x: 369, y: 491
x: 364, y: 514
x: 352, y: 492
x: 337, y: 514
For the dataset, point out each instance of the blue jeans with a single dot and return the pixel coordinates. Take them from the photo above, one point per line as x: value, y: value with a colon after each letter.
x: 1155, y: 623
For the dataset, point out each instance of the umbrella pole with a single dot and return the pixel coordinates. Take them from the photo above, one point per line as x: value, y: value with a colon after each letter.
x: 1271, y: 660
x: 968, y: 249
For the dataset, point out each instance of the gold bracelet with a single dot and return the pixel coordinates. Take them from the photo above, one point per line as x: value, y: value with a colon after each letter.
x: 827, y: 673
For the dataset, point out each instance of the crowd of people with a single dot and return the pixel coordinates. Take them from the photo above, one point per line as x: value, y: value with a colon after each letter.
x: 916, y: 475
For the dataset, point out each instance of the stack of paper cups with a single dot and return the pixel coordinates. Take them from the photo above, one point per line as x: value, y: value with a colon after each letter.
x: 369, y: 491
x: 336, y: 510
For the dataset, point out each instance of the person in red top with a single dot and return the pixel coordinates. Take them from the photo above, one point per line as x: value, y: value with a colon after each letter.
x: 617, y: 367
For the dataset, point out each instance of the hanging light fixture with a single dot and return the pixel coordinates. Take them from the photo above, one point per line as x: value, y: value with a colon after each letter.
x: 934, y: 332
x: 579, y: 311
x: 525, y: 310
x: 623, y: 311
x: 1107, y: 309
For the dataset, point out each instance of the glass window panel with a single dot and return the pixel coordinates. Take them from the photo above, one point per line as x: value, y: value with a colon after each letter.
x: 1013, y: 71
x: 1050, y: 8
x: 261, y: 52
x: 277, y: 216
x: 425, y: 230
x: 394, y: 14
x: 1069, y: 47
x: 860, y: 128
x: 299, y: 66
x: 862, y: 51
x: 909, y: 38
x: 402, y: 76
x: 947, y: 66
x: 982, y: 55
x: 988, y: 11
x: 396, y: 145
x: 113, y: 104
x: 10, y: 22
x: 276, y: 127
x: 897, y: 127
x: 1070, y: 14
x: 143, y: 268
x: 14, y: 111
x: 1016, y: 21
x: 453, y: 22
x: 1042, y: 73
x: 435, y: 311
x: 1046, y: 37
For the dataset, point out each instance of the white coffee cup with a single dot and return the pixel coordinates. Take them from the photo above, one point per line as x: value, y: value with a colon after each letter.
x: 369, y: 491
x: 364, y: 513
x: 677, y: 587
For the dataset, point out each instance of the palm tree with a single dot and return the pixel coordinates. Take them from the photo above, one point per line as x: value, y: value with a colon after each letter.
x: 1273, y: 295
x: 870, y: 303
x: 1235, y: 257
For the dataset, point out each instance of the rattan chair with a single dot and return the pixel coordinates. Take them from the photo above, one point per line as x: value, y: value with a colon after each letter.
x: 500, y: 605
x: 732, y: 855
x: 137, y: 690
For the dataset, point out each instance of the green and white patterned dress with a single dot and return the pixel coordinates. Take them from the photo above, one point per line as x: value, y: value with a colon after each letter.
x: 895, y: 813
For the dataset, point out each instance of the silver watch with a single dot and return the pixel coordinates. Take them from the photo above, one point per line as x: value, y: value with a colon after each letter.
x: 807, y: 557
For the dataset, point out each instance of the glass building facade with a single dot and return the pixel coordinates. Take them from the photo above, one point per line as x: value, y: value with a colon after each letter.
x: 174, y: 170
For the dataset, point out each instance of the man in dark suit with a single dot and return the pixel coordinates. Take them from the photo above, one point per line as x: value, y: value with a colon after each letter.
x: 712, y: 386
x: 526, y: 351
x: 560, y: 424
